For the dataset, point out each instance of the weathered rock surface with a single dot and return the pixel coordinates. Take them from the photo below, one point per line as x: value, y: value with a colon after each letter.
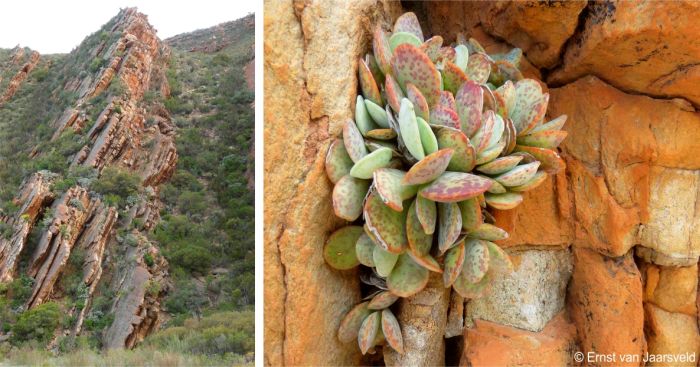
x: 672, y: 334
x: 531, y: 295
x: 493, y: 344
x: 647, y: 47
x: 673, y: 289
x: 605, y: 303
x: 310, y: 88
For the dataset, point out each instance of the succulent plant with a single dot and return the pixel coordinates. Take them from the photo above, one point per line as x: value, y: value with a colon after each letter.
x: 441, y: 134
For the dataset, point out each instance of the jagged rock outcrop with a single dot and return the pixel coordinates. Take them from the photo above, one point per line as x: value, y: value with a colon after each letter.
x: 21, y: 74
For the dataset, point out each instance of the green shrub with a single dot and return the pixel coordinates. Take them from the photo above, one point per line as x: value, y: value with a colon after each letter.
x: 116, y: 185
x: 37, y: 324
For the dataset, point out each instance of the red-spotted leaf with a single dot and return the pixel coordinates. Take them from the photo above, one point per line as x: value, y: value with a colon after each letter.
x: 548, y: 139
x: 505, y: 98
x: 446, y: 54
x: 470, y: 290
x: 368, y: 331
x: 496, y: 187
x: 426, y: 210
x: 470, y: 103
x: 384, y: 261
x: 482, y: 138
x: 403, y: 38
x: 394, y: 93
x: 382, y: 300
x: 535, y: 181
x: 471, y: 214
x: 408, y: 22
x: 426, y: 261
x: 365, y: 167
x: 350, y: 325
x: 429, y: 168
x: 387, y: 226
x: 370, y: 90
x: 491, y: 153
x: 553, y: 125
x: 381, y: 134
x: 431, y: 47
x: 476, y: 262
x: 420, y: 105
x: 528, y: 94
x: 454, y: 187
x: 479, y: 68
x: 364, y: 249
x: 488, y: 232
x: 518, y: 175
x: 506, y: 201
x: 550, y: 160
x: 450, y: 225
x: 348, y: 195
x: 453, y: 77
x: 392, y: 331
x: 377, y: 73
x: 444, y: 116
x: 499, y: 165
x: 447, y: 100
x: 464, y: 156
x: 411, y: 65
x: 391, y: 187
x: 512, y: 136
x: 354, y: 144
x: 382, y: 52
x: 339, y: 251
x: 407, y: 278
x: 338, y: 162
x: 418, y: 241
x: 498, y: 259
x: 454, y: 260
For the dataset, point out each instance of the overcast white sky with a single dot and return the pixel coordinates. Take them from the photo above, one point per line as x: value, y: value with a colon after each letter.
x: 52, y: 26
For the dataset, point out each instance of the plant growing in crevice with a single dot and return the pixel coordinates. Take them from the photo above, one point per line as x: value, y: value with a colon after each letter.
x: 441, y: 134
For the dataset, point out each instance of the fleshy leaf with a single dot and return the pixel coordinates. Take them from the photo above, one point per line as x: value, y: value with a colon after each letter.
x: 407, y: 278
x: 382, y: 300
x: 535, y: 181
x: 518, y: 175
x: 431, y: 47
x: 454, y: 187
x: 470, y: 290
x: 450, y: 225
x: 470, y: 103
x: 392, y: 331
x: 471, y: 214
x: 409, y: 130
x: 368, y: 331
x: 420, y: 105
x: 350, y: 325
x: 373, y: 145
x: 551, y: 162
x: 354, y: 144
x: 426, y: 261
x: 444, y: 116
x: 489, y: 232
x: 382, y: 51
x: 447, y: 100
x: 384, y: 261
x: 427, y: 214
x: 370, y: 90
x: 365, y: 167
x: 381, y: 134
x: 498, y: 259
x: 505, y: 98
x: 481, y: 139
x: 429, y: 168
x: 364, y: 248
x: 496, y: 187
x: 418, y: 241
x: 377, y: 113
x: 461, y: 57
x: 528, y: 93
x: 512, y: 136
x: 362, y: 118
x: 348, y: 195
x: 464, y: 156
x: 454, y: 260
x: 386, y: 226
x: 427, y: 137
x: 453, y: 77
x: 408, y: 22
x: 411, y: 65
x: 391, y: 189
x: 491, y: 153
x: 447, y: 53
x: 338, y: 162
x: 476, y: 262
x: 548, y: 139
x: 536, y: 115
x: 497, y: 133
x: 339, y: 251
x: 479, y: 68
x: 500, y: 165
x: 505, y: 201
x: 474, y: 46
x: 394, y: 93
x: 554, y: 125
x: 403, y: 38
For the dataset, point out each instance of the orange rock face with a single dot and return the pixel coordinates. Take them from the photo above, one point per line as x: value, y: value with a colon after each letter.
x: 673, y: 289
x: 605, y: 303
x: 649, y: 47
x: 672, y: 335
x: 491, y: 344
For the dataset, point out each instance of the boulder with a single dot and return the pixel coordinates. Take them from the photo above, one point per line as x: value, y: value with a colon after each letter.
x: 674, y: 289
x: 672, y: 336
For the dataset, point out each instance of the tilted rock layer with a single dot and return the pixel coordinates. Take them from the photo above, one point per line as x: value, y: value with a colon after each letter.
x: 624, y: 212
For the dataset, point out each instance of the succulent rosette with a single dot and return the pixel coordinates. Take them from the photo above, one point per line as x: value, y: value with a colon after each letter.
x: 441, y: 134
